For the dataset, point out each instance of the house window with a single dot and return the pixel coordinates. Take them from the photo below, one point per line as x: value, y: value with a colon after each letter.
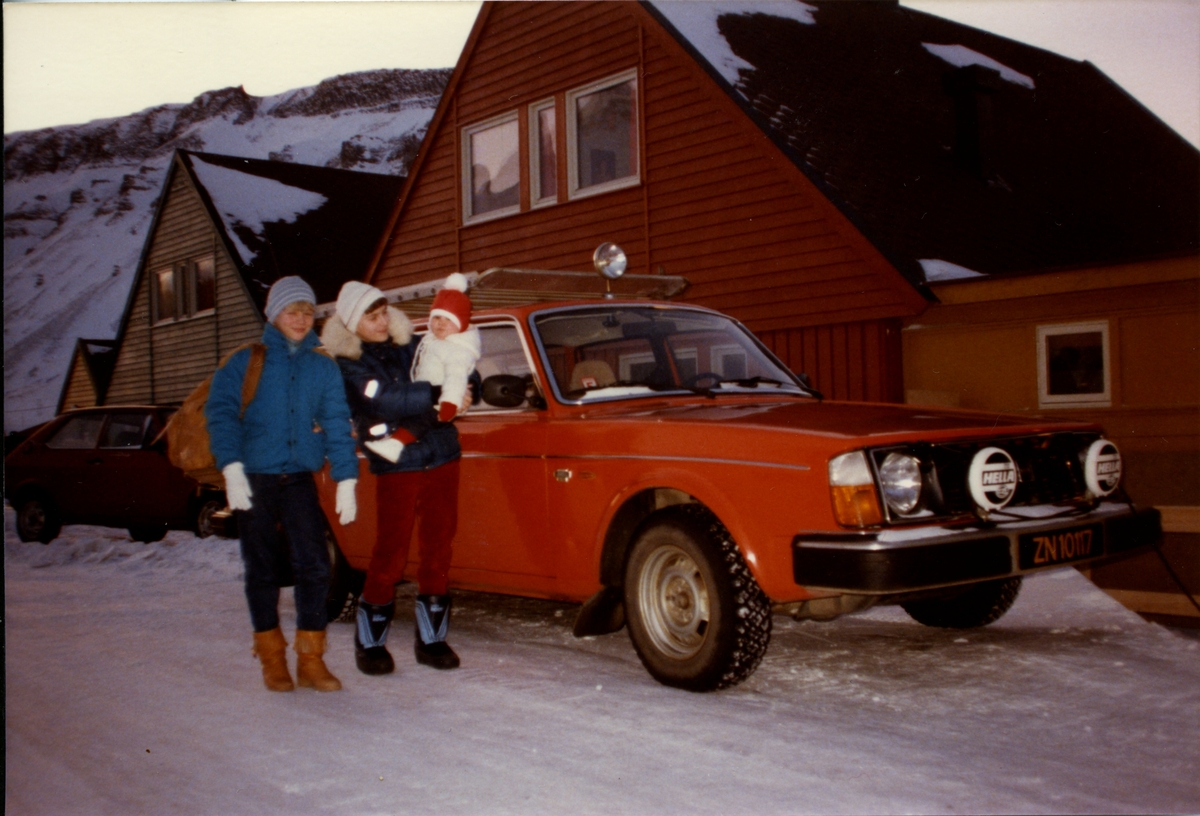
x: 602, y: 136
x: 1073, y: 365
x: 491, y: 169
x: 729, y: 362
x: 186, y: 289
x: 543, y: 154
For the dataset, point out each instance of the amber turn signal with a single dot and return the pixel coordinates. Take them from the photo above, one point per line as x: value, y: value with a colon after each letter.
x: 856, y: 506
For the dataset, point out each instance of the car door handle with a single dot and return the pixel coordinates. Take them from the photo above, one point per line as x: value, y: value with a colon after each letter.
x: 99, y: 460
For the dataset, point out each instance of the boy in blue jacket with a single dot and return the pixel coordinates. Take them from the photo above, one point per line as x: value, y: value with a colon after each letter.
x: 297, y: 420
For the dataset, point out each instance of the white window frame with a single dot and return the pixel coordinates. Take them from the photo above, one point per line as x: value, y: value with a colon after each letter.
x: 537, y: 196
x: 469, y: 217
x: 574, y: 191
x: 186, y: 285
x: 1048, y: 400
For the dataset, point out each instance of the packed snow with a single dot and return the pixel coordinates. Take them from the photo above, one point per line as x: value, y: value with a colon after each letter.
x: 960, y: 57
x: 131, y: 689
x: 251, y: 202
x: 697, y: 22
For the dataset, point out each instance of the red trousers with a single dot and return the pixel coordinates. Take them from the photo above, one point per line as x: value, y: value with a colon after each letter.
x: 430, y: 496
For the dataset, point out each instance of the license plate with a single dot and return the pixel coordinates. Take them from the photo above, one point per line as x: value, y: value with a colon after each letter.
x: 1060, y: 546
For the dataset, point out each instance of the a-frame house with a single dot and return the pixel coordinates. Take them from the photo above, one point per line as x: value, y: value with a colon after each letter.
x: 225, y: 229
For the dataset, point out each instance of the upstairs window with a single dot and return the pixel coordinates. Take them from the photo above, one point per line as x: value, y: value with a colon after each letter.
x: 602, y: 135
x: 543, y: 154
x: 186, y: 289
x: 1073, y: 365
x: 492, y: 169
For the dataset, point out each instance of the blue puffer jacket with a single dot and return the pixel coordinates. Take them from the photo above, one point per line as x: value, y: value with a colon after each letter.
x: 398, y: 402
x: 297, y: 419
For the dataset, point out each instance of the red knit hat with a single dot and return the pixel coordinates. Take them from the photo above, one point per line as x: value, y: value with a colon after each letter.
x: 452, y: 301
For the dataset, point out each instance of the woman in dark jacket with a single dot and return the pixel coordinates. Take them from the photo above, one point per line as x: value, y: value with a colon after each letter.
x: 373, y: 344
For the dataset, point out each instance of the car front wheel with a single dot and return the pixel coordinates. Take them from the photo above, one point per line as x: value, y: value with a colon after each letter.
x: 38, y: 519
x: 696, y: 616
x: 345, y: 584
x: 204, y: 516
x: 970, y: 607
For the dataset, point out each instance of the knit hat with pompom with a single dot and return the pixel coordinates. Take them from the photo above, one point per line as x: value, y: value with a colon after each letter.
x: 452, y: 301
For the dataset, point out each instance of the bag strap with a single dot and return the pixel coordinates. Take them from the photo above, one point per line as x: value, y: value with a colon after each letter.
x: 254, y: 369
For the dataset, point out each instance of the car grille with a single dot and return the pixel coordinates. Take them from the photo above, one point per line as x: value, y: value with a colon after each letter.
x: 1050, y: 468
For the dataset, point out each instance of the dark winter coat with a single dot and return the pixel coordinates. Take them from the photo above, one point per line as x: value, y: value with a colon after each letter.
x: 398, y: 402
x: 297, y: 419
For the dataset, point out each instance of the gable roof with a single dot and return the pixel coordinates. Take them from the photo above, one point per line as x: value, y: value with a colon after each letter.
x: 955, y: 151
x: 279, y: 218
x: 100, y: 358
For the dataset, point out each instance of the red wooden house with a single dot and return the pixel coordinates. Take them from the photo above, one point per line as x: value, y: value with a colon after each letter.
x: 827, y: 173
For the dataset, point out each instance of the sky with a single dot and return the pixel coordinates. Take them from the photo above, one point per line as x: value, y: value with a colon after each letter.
x: 69, y: 63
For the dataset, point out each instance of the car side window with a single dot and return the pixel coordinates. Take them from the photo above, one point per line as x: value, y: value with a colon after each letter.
x: 502, y: 353
x: 77, y: 432
x: 126, y: 430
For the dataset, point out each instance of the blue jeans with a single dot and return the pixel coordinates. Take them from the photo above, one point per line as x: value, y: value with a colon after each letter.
x: 285, y: 523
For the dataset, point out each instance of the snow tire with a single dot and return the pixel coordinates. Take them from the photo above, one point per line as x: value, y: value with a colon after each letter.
x: 38, y: 519
x: 973, y: 606
x: 696, y: 615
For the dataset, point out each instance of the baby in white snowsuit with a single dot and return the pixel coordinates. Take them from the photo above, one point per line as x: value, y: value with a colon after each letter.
x: 446, y: 357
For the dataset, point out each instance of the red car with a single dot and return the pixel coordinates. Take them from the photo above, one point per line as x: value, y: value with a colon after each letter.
x: 105, y: 466
x: 658, y: 464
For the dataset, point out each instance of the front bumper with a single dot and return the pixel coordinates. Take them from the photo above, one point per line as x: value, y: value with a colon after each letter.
x: 911, y: 559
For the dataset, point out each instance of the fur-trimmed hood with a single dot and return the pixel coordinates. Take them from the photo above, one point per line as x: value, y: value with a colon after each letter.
x: 341, y: 342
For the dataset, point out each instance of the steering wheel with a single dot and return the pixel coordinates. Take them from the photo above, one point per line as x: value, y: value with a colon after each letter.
x: 692, y: 381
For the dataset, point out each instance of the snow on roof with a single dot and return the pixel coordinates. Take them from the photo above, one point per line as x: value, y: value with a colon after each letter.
x: 251, y: 202
x: 697, y: 22
x: 960, y: 57
x: 937, y: 271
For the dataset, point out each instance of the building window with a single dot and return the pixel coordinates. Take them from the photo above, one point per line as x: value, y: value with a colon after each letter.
x: 186, y: 289
x: 543, y: 154
x: 602, y: 136
x: 729, y: 362
x: 491, y: 169
x: 1073, y: 365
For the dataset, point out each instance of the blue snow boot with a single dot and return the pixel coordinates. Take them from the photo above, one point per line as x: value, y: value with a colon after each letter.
x: 433, y: 619
x: 370, y: 635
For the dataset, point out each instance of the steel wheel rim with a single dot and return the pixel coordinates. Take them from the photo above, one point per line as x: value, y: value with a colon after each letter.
x: 673, y: 599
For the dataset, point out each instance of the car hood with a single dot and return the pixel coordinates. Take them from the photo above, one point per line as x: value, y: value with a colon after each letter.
x: 846, y: 420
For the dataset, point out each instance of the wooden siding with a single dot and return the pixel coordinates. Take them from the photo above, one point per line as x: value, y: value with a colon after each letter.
x: 718, y: 203
x: 80, y: 391
x: 163, y: 363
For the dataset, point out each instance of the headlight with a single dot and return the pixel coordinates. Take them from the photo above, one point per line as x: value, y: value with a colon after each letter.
x: 900, y: 481
x: 853, y: 491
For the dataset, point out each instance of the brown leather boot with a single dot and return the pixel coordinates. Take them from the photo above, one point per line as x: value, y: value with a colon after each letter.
x: 271, y: 650
x: 311, y: 671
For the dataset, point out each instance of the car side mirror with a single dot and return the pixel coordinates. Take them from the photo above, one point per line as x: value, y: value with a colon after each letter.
x: 504, y: 391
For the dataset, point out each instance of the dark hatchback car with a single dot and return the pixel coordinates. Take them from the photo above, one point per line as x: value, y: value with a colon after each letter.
x: 105, y: 466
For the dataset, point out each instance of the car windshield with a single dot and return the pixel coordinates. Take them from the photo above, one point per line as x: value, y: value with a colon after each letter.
x: 601, y: 353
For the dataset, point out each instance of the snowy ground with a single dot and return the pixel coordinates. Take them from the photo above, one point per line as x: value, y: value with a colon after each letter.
x: 131, y: 689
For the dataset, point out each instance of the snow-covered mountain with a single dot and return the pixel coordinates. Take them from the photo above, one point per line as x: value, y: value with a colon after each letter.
x: 79, y: 199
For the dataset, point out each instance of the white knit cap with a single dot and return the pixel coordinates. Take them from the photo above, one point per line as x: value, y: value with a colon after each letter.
x: 354, y: 300
x: 286, y: 291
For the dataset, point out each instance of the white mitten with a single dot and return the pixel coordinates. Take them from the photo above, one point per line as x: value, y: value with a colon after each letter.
x: 237, y: 486
x: 345, y: 503
x: 389, y: 448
